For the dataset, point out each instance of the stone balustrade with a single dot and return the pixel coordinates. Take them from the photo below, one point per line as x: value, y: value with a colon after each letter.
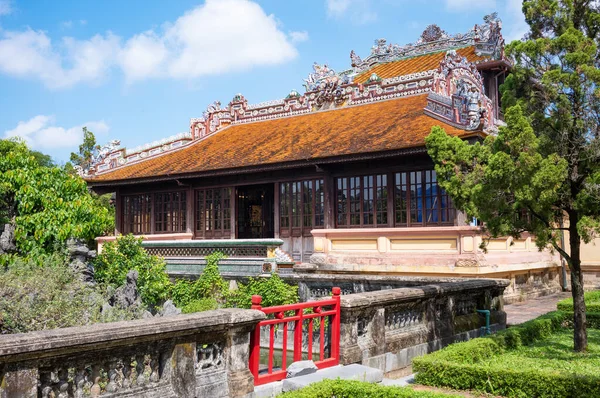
x: 385, y: 329
x: 196, y: 355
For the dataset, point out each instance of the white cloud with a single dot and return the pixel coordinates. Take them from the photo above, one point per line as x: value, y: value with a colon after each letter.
x: 5, y: 7
x: 298, y: 37
x: 66, y: 24
x: 217, y: 37
x: 31, y: 54
x: 40, y: 133
x: 463, y: 5
x: 358, y: 11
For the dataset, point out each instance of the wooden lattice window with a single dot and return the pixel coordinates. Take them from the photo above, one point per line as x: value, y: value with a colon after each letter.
x: 213, y: 213
x: 170, y: 212
x: 301, y: 207
x: 362, y: 201
x: 137, y: 213
x: 420, y: 201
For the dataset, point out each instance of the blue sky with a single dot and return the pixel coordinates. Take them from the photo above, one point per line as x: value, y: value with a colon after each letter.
x: 138, y: 70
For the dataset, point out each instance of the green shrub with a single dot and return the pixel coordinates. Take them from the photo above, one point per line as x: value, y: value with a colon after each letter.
x: 45, y: 294
x: 273, y: 290
x: 203, y: 304
x: 210, y: 285
x: 357, y: 389
x: 468, y: 365
x: 592, y: 302
x: 126, y: 253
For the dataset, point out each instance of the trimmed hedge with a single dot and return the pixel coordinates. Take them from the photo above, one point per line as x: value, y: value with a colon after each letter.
x: 462, y: 365
x: 592, y: 302
x: 357, y: 389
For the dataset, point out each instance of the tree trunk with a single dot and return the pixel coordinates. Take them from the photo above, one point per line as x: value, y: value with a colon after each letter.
x: 579, y: 318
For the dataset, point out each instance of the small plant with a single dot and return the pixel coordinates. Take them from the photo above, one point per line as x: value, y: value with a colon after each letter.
x: 210, y: 285
x: 126, y: 253
x: 273, y: 290
x: 203, y: 304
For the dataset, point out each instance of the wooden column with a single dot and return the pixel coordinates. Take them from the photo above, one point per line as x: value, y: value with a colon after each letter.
x: 118, y: 213
x: 233, y: 210
x: 276, y: 210
x: 329, y: 198
x: 390, y: 199
x: 189, y: 216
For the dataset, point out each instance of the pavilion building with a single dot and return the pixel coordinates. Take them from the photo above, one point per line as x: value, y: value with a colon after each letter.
x: 340, y: 172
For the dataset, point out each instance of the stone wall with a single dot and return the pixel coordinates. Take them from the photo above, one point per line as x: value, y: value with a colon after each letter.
x: 202, y: 354
x: 385, y: 329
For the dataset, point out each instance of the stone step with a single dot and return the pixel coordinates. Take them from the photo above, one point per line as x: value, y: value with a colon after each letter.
x: 348, y: 372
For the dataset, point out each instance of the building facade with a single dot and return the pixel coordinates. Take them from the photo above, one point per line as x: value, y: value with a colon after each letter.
x: 340, y: 172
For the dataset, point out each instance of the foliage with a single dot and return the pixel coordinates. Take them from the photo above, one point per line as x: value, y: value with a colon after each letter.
x: 126, y: 253
x: 273, y: 290
x: 592, y: 302
x: 87, y: 150
x: 48, y: 206
x: 541, y: 174
x: 530, y: 360
x: 199, y: 305
x: 47, y: 296
x: 210, y: 285
x: 352, y: 388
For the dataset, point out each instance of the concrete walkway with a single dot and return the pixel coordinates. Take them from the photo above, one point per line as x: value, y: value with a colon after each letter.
x: 526, y: 310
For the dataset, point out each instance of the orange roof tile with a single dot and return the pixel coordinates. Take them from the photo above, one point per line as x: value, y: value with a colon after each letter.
x: 416, y: 64
x: 381, y: 126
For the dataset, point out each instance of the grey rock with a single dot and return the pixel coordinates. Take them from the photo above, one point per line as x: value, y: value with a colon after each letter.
x: 318, y: 259
x: 349, y: 372
x: 301, y: 368
x: 81, y: 259
x: 127, y: 295
x: 147, y: 315
x: 106, y: 308
x: 169, y: 309
x: 7, y: 239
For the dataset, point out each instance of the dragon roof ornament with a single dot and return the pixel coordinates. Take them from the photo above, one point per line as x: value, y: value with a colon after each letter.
x: 487, y: 39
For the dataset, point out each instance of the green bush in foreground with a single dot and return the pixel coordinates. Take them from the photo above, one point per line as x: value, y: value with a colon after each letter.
x: 203, y: 304
x: 357, y: 389
x: 592, y: 302
x: 531, y: 360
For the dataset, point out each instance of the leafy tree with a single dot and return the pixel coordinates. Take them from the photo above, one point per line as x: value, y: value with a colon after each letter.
x: 541, y: 174
x: 87, y: 150
x: 46, y: 204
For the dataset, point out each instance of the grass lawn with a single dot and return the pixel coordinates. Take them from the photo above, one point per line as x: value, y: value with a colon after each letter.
x: 554, y: 353
x: 592, y: 302
x: 535, y: 359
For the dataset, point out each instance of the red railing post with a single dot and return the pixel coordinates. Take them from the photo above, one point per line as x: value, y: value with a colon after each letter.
x: 298, y: 335
x: 255, y: 340
x: 335, y: 325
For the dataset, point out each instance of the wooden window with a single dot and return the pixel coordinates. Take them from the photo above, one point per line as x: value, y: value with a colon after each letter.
x: 137, y: 213
x: 420, y: 201
x: 362, y: 201
x: 170, y: 212
x: 213, y: 213
x: 301, y: 207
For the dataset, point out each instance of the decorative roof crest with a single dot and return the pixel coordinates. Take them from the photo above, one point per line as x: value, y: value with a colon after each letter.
x: 487, y: 39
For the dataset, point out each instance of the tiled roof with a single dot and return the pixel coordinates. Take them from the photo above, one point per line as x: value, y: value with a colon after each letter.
x: 415, y: 64
x: 380, y: 126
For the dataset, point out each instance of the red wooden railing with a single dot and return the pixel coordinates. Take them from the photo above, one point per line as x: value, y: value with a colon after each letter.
x: 321, y: 310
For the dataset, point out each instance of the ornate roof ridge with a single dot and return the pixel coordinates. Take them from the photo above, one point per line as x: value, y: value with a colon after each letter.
x: 487, y: 39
